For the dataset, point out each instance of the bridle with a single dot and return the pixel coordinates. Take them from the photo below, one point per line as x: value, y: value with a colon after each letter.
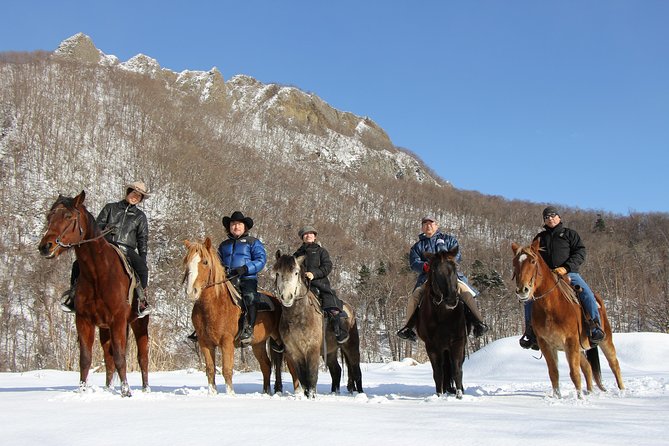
x: 82, y: 240
x: 536, y: 273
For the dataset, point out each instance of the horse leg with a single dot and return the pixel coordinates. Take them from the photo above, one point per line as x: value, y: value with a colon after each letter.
x: 437, y: 361
x: 586, y: 369
x: 119, y: 331
x: 550, y: 354
x: 140, y: 328
x: 276, y: 360
x: 105, y: 342
x: 610, y: 352
x: 260, y: 352
x: 209, y: 354
x: 313, y: 361
x: 457, y: 359
x: 351, y: 351
x: 86, y: 332
x: 573, y: 352
x: 335, y: 370
x: 227, y: 363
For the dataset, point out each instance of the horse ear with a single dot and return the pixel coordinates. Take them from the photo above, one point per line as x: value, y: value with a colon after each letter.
x: 79, y: 199
x: 207, y: 243
x: 300, y: 259
x: 515, y: 247
x: 535, y: 245
x: 454, y: 252
x: 187, y: 244
x: 278, y: 254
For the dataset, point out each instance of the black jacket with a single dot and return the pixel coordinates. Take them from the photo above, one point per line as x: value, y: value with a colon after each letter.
x: 132, y: 228
x: 561, y: 247
x: 318, y: 263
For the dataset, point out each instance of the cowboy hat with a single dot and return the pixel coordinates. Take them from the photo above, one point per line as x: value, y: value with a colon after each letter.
x: 237, y: 216
x: 138, y: 186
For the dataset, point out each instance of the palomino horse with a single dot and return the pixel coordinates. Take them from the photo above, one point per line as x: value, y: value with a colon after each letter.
x: 301, y: 329
x: 101, y: 298
x: 558, y: 321
x: 441, y: 323
x: 215, y: 318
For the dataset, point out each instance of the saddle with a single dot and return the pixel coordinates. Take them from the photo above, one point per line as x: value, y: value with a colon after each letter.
x: 263, y: 299
x: 128, y: 269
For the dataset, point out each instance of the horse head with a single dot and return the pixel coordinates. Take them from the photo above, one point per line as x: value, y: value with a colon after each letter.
x: 202, y: 267
x: 289, y: 278
x: 442, y: 277
x: 68, y: 223
x: 527, y: 264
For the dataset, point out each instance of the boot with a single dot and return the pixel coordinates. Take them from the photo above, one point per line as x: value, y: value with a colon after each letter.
x: 246, y: 335
x: 275, y: 346
x: 67, y: 300
x: 339, y: 326
x: 596, y: 333
x: 193, y: 336
x: 480, y: 328
x: 529, y: 340
x: 407, y: 334
x: 143, y: 308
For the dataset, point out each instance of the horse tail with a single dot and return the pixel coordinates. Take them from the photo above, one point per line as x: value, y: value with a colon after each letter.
x: 593, y: 358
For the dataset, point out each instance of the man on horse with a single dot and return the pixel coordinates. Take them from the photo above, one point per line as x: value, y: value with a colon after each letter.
x: 318, y: 266
x: 244, y: 257
x: 129, y: 231
x: 564, y: 252
x: 433, y: 240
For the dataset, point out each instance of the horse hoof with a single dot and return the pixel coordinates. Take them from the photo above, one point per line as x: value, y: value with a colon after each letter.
x: 458, y: 394
x: 146, y: 389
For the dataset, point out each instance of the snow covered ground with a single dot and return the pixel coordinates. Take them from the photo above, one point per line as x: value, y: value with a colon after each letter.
x: 506, y: 402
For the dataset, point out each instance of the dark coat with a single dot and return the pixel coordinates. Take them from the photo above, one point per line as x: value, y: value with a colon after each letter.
x: 438, y: 242
x: 317, y: 261
x: 562, y: 246
x: 132, y: 228
x: 243, y: 251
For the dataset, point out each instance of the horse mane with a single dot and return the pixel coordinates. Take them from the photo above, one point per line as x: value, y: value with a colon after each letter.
x: 211, y: 256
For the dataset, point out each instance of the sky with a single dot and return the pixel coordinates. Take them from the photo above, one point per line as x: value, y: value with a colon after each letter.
x: 563, y: 103
x: 506, y: 403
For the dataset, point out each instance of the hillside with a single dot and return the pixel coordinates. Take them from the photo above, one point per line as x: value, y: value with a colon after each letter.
x: 78, y: 119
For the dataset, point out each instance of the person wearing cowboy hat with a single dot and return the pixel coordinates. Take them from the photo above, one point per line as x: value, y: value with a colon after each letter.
x: 564, y: 252
x: 318, y: 266
x: 433, y: 240
x: 244, y: 257
x: 131, y: 234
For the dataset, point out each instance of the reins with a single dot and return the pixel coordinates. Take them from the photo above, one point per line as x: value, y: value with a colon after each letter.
x: 81, y: 234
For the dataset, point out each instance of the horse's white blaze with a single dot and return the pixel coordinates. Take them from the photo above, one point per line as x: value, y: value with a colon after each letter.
x: 191, y: 292
x: 288, y: 288
x: 522, y: 258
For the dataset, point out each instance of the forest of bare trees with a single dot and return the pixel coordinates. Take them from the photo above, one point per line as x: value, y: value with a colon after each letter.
x: 66, y: 126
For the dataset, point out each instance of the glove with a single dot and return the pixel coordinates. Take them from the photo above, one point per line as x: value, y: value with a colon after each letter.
x: 309, y: 275
x: 240, y: 271
x: 426, y: 267
x: 560, y: 271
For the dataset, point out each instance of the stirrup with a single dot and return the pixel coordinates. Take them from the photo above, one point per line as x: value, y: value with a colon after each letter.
x: 67, y: 304
x: 407, y: 334
x: 597, y: 335
x: 143, y: 309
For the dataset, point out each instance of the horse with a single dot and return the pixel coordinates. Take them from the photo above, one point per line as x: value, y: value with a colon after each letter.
x: 102, y: 291
x: 302, y: 330
x: 558, y: 321
x: 215, y: 318
x: 441, y: 323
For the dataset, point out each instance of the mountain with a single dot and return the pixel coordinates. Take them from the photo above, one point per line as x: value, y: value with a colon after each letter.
x: 77, y: 119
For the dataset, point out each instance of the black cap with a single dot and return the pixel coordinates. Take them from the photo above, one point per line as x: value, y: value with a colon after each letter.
x: 550, y: 210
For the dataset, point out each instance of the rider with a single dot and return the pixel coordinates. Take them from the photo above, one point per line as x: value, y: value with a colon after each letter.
x: 243, y: 257
x: 432, y: 240
x: 318, y: 266
x: 130, y: 233
x: 564, y: 252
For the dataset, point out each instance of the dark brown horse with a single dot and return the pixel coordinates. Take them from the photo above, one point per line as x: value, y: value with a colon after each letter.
x: 441, y: 323
x: 215, y: 318
x: 302, y: 329
x: 559, y: 323
x: 101, y: 298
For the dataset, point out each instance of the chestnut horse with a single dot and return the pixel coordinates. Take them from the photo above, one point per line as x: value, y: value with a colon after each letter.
x: 215, y: 318
x: 101, y: 297
x: 559, y: 323
x: 441, y: 323
x: 301, y: 329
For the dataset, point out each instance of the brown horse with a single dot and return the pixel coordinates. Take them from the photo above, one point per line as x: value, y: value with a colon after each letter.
x: 302, y: 330
x: 215, y: 318
x: 441, y: 323
x: 101, y: 298
x: 558, y: 321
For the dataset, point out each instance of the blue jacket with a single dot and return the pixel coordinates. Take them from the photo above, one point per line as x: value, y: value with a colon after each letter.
x: 438, y: 242
x: 245, y: 250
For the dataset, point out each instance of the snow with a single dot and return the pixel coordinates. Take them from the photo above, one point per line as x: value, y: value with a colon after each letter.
x: 506, y: 402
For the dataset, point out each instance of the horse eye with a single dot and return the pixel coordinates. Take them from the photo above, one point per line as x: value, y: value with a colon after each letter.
x: 206, y: 262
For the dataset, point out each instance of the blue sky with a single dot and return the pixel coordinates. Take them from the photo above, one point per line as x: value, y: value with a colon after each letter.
x: 561, y: 102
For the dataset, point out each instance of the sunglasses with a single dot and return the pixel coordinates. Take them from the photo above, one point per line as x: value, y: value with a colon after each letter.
x: 549, y: 216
